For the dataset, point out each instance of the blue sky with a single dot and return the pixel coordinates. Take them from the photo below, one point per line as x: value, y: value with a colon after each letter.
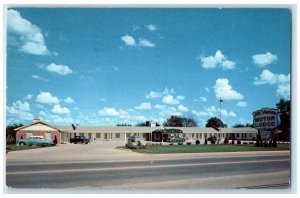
x: 108, y: 66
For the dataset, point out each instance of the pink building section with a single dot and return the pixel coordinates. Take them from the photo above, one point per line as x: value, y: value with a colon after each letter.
x: 22, y: 135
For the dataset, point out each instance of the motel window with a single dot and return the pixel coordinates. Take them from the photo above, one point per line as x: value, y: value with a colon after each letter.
x: 117, y: 135
x: 127, y: 134
x: 200, y: 135
x: 192, y: 135
x: 81, y: 134
x: 237, y: 135
x: 250, y: 134
x: 183, y: 135
x: 98, y: 135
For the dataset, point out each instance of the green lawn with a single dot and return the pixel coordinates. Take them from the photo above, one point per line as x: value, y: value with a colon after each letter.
x: 158, y: 149
x: 14, y: 147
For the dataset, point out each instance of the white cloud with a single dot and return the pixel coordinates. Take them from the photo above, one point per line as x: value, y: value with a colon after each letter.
x: 207, y: 89
x: 264, y: 59
x: 128, y: 40
x: 59, y: 69
x: 29, y: 96
x: 110, y: 111
x: 145, y: 105
x: 284, y: 90
x: 39, y: 78
x: 182, y: 108
x: 151, y: 27
x: 47, y: 98
x: 29, y: 36
x: 218, y: 60
x: 282, y: 81
x: 169, y: 99
x: 241, y: 104
x: 266, y: 77
x: 135, y: 28
x: 19, y: 110
x: 116, y: 68
x: 167, y: 110
x: 69, y: 100
x: 213, y: 111
x: 57, y: 119
x: 180, y: 97
x: 146, y: 43
x: 154, y: 94
x: 203, y: 99
x: 57, y: 109
x: 224, y: 90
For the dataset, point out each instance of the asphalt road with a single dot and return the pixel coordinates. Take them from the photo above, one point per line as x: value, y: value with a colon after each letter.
x: 270, y: 170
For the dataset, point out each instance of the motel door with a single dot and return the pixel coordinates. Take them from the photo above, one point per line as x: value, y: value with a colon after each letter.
x: 48, y: 136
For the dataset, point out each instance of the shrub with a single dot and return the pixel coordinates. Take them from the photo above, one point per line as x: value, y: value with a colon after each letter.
x: 238, y: 142
x: 205, y: 142
x: 189, y: 143
x: 226, y: 141
x: 197, y: 141
x: 179, y: 143
x: 139, y: 143
x: 251, y: 142
x: 212, y: 141
x: 232, y: 142
x: 245, y: 143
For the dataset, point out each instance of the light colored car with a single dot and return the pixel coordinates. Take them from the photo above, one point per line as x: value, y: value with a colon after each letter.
x: 177, y: 139
x: 34, y: 140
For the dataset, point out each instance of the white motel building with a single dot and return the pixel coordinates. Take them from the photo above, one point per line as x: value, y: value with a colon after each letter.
x: 121, y: 133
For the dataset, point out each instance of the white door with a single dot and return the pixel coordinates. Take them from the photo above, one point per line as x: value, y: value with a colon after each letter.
x: 48, y: 136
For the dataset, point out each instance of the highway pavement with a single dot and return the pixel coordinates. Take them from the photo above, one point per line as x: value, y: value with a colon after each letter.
x: 134, y: 172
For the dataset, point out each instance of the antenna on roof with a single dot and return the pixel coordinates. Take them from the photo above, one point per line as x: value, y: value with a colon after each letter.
x: 74, y: 127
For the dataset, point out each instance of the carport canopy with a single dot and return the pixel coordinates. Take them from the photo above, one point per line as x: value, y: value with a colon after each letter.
x: 167, y: 131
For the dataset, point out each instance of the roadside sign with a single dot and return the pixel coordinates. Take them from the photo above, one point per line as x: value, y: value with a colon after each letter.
x: 266, y: 118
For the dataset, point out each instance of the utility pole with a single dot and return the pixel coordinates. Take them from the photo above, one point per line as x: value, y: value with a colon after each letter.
x: 220, y: 100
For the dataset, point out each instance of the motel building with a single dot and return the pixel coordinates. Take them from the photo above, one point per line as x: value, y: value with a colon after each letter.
x: 120, y: 133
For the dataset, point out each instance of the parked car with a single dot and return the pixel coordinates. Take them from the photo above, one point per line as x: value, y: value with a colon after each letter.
x: 80, y: 139
x: 177, y: 139
x: 34, y: 140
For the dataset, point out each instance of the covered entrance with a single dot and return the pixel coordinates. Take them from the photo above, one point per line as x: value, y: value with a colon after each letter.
x: 163, y: 135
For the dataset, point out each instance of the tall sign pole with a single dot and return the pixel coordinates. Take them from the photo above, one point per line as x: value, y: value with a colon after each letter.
x: 220, y: 100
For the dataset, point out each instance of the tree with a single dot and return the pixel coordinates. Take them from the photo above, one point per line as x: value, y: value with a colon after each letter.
x: 215, y: 122
x: 146, y: 124
x: 11, y: 134
x: 284, y: 106
x: 178, y: 121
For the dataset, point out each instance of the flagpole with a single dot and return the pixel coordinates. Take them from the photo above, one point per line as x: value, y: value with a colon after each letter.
x: 220, y: 100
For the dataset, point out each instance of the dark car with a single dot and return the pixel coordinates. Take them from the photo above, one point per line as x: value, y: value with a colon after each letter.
x: 79, y: 139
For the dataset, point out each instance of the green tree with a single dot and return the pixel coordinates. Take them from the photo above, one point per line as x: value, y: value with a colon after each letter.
x: 215, y: 122
x: 284, y: 106
x: 11, y: 134
x: 147, y: 123
x: 178, y: 121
